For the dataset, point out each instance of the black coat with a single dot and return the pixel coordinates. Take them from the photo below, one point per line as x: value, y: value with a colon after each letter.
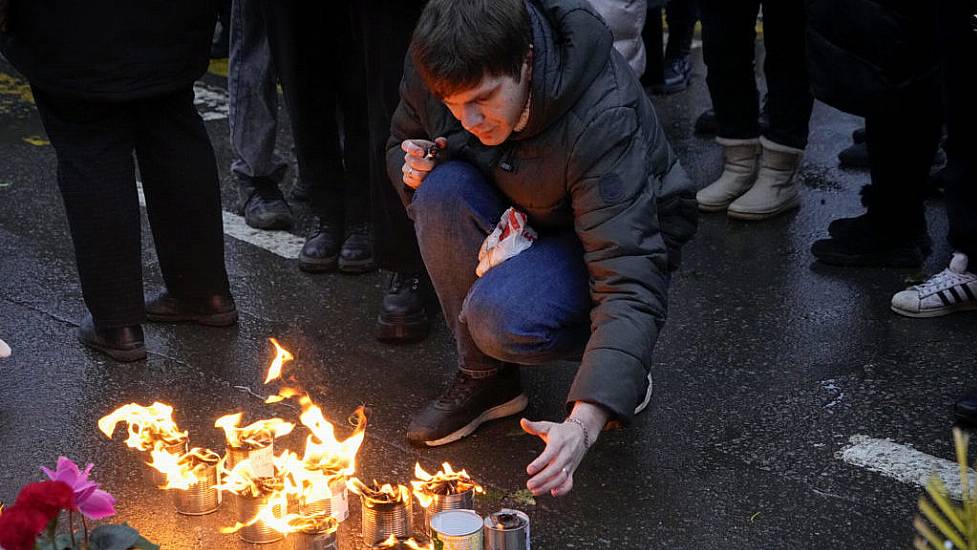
x: 862, y: 53
x: 109, y: 50
x: 593, y: 158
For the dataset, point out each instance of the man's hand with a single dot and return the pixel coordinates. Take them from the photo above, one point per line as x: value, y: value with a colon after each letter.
x: 417, y: 163
x: 566, y: 445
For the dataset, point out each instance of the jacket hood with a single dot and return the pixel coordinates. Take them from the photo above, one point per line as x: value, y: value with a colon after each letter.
x: 571, y: 44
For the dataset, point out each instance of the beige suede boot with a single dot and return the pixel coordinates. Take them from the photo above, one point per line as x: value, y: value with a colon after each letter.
x: 742, y: 161
x: 775, y: 190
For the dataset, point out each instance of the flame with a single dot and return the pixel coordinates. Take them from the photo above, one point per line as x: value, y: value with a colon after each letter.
x: 182, y: 471
x: 377, y: 494
x: 393, y: 541
x: 281, y: 356
x: 257, y: 435
x: 147, y: 425
x: 413, y: 545
x: 445, y: 482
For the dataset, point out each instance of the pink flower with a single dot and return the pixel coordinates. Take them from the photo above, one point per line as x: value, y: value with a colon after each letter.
x: 91, y: 501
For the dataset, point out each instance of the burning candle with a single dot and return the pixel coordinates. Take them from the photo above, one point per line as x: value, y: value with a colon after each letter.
x: 254, y: 442
x: 194, y: 482
x: 386, y: 511
x: 445, y: 490
x: 256, y: 508
x: 150, y: 429
x: 507, y: 530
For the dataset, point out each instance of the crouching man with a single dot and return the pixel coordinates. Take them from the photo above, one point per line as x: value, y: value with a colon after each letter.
x: 529, y: 107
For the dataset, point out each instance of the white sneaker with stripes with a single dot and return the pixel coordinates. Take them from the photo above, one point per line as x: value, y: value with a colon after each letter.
x: 951, y: 290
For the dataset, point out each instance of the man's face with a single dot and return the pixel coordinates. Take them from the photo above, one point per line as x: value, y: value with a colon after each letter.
x: 493, y: 107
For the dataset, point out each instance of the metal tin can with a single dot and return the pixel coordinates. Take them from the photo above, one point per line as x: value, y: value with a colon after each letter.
x: 457, y: 530
x: 234, y: 455
x: 507, y: 530
x: 246, y: 508
x: 380, y: 520
x: 441, y: 503
x: 337, y: 506
x: 305, y: 540
x: 157, y: 477
x: 202, y: 497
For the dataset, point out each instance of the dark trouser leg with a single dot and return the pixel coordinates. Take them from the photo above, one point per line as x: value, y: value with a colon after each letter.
x: 356, y: 137
x: 681, y: 16
x: 179, y: 174
x: 728, y: 47
x: 388, y: 25
x: 789, y: 99
x: 96, y: 175
x: 960, y: 92
x: 653, y: 37
x: 454, y: 210
x: 309, y: 68
x: 901, y: 145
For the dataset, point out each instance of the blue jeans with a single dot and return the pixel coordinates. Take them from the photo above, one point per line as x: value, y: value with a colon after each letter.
x: 252, y: 87
x: 533, y: 308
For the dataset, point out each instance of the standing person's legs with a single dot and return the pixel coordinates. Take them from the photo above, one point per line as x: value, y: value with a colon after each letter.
x: 788, y: 106
x: 654, y: 39
x: 406, y: 306
x: 96, y: 176
x: 179, y: 174
x: 681, y: 16
x: 295, y: 34
x: 728, y: 47
x: 253, y: 120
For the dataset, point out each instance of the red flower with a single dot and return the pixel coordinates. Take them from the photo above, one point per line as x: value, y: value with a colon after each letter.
x: 36, y: 505
x: 47, y: 497
x: 19, y: 528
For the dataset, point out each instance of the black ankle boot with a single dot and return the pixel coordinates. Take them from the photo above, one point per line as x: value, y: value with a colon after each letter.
x: 356, y: 255
x: 123, y: 344
x: 404, y: 314
x: 263, y: 205
x: 320, y: 253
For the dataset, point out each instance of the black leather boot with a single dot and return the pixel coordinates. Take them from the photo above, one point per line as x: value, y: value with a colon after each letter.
x: 215, y: 311
x: 263, y: 205
x: 320, y: 253
x: 404, y: 315
x: 356, y: 255
x: 123, y: 344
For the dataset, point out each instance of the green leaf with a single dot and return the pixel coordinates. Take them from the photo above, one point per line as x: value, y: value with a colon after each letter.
x: 524, y: 497
x: 63, y: 542
x: 114, y: 537
x: 144, y: 544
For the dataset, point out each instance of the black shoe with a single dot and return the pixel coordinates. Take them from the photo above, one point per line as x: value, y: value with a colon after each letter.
x: 123, y: 344
x: 854, y: 156
x: 300, y: 191
x: 857, y: 242
x: 675, y: 77
x: 965, y: 408
x: 263, y: 205
x: 216, y: 311
x: 706, y: 124
x: 858, y: 136
x: 356, y: 255
x: 403, y: 313
x: 320, y: 253
x: 465, y: 404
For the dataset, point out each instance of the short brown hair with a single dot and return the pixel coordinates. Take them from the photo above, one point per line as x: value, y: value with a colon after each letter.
x: 457, y: 42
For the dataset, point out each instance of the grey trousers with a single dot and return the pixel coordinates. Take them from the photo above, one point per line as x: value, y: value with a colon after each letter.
x: 253, y: 97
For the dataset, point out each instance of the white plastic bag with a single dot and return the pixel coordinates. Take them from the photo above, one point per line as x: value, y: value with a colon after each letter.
x: 511, y: 236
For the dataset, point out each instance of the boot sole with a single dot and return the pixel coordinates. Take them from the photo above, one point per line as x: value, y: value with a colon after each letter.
x: 714, y: 207
x: 273, y: 225
x: 210, y: 320
x: 644, y: 404
x: 357, y: 266
x: 509, y: 408
x: 757, y: 216
x: 318, y: 266
x: 935, y: 312
x: 121, y: 355
x: 409, y: 330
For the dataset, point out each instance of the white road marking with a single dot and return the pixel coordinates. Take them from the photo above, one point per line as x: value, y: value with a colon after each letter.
x: 211, y: 101
x: 281, y: 243
x: 902, y: 463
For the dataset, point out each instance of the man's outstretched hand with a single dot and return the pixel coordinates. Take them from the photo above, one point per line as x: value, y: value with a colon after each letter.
x: 417, y: 163
x: 566, y: 444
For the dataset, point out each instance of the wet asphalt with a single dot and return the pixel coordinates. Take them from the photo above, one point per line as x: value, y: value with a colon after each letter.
x: 768, y: 365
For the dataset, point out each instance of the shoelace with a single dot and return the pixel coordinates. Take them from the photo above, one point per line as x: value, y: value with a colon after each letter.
x: 399, y: 281
x: 361, y: 228
x: 944, y: 280
x: 459, y: 389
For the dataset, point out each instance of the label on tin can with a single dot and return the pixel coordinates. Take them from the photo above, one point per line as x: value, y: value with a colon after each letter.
x: 262, y: 461
x: 456, y: 530
x: 339, y: 504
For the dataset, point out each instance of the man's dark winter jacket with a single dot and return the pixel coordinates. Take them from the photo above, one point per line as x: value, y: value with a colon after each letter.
x: 109, y: 50
x: 592, y: 157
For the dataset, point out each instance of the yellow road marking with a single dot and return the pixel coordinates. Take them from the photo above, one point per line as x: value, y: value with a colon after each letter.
x: 15, y: 87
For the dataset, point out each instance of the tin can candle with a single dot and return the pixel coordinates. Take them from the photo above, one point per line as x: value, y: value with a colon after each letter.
x: 202, y: 496
x: 507, y: 530
x: 442, y: 503
x: 457, y: 530
x: 337, y: 505
x: 382, y: 519
x: 180, y: 448
x: 260, y: 457
x: 246, y: 509
x: 314, y: 540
